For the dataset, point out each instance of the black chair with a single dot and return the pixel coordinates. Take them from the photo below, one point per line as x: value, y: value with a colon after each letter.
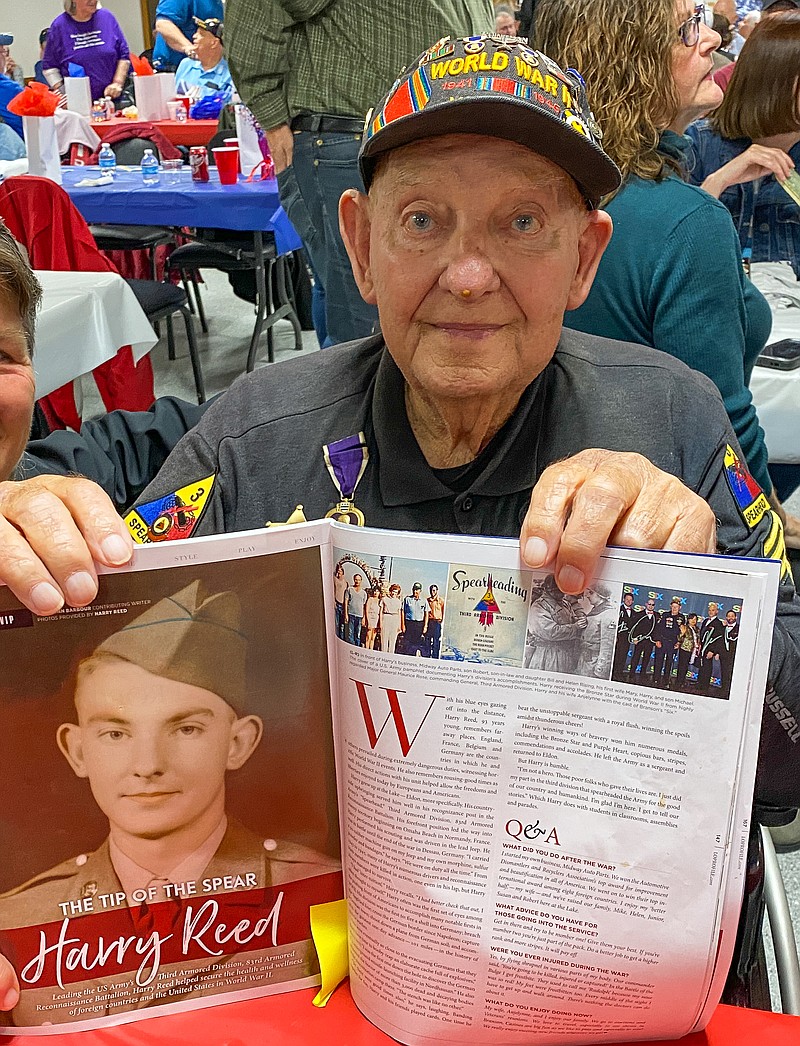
x: 160, y: 301
x: 256, y: 253
x: 133, y: 237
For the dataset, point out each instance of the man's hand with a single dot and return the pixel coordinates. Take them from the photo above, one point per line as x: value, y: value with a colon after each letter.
x: 281, y: 146
x: 755, y: 162
x: 52, y: 529
x: 113, y: 90
x: 9, y: 985
x: 603, y: 497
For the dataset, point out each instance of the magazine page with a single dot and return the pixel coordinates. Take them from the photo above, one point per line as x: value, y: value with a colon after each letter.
x: 543, y: 798
x: 169, y: 808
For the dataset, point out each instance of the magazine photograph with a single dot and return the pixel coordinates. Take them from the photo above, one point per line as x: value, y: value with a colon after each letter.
x: 170, y: 775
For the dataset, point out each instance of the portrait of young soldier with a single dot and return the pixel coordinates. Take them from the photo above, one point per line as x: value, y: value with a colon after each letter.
x: 163, y: 714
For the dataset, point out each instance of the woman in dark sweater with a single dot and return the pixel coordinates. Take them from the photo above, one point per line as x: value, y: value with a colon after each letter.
x: 672, y: 275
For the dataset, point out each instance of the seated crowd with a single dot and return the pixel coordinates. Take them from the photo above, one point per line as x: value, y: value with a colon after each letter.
x: 555, y: 345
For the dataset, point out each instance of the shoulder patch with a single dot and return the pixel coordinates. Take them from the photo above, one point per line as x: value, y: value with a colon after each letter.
x: 750, y: 498
x: 170, y: 517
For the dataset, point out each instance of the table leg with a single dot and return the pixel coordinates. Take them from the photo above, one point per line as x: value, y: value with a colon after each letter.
x: 261, y: 302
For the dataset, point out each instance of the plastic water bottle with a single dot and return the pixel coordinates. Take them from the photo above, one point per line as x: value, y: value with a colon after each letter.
x: 106, y: 160
x: 150, y: 169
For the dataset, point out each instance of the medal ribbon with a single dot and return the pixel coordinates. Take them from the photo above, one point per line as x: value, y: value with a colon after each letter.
x: 346, y: 460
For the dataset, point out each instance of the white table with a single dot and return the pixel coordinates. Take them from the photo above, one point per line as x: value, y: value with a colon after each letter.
x: 86, y: 317
x: 776, y: 393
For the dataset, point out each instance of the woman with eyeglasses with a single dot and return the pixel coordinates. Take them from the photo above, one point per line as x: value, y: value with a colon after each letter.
x: 672, y: 275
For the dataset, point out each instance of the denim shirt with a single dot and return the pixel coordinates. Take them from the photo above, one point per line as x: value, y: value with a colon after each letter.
x: 766, y: 217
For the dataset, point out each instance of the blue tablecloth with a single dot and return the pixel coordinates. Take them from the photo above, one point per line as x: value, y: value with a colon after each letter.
x: 244, y: 207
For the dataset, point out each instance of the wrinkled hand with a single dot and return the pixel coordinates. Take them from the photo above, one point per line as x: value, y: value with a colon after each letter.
x: 755, y: 162
x: 9, y: 985
x: 281, y: 146
x: 113, y: 90
x: 603, y: 497
x: 52, y: 529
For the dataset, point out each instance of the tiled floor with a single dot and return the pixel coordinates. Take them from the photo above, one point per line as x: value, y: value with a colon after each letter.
x: 224, y: 352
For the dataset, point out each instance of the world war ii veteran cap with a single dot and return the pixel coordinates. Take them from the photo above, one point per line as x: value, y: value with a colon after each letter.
x: 210, y: 25
x: 192, y: 638
x: 496, y: 86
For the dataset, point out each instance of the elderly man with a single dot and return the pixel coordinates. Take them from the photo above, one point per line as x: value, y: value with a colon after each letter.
x: 473, y: 412
x: 175, y: 28
x: 208, y: 72
x: 471, y: 276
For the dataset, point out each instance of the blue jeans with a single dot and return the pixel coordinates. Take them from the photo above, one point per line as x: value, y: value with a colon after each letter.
x: 324, y: 165
x: 354, y: 630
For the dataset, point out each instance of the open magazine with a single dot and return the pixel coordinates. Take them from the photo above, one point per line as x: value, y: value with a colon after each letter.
x: 543, y: 801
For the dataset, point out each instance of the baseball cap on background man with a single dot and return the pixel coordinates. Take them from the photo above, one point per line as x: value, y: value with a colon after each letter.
x: 6, y: 39
x: 210, y: 25
x: 496, y: 86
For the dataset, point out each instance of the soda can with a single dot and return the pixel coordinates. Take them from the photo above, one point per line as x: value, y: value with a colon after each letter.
x: 198, y: 161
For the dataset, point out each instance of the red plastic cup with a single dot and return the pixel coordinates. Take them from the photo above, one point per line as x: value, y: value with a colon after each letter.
x: 227, y: 161
x: 233, y: 143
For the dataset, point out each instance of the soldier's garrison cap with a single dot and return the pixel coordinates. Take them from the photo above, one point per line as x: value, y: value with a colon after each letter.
x: 190, y: 637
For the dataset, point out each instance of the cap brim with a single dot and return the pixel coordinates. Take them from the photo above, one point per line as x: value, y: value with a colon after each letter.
x: 513, y: 120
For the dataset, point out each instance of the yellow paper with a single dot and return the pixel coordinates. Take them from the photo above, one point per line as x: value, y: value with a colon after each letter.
x: 329, y: 931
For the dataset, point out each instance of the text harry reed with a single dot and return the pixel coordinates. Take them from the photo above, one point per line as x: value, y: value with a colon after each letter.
x: 202, y: 930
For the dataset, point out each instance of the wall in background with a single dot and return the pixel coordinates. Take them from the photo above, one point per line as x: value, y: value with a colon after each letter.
x: 25, y: 19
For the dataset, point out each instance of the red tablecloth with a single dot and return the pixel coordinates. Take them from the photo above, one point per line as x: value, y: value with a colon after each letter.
x: 291, y: 1020
x: 189, y: 132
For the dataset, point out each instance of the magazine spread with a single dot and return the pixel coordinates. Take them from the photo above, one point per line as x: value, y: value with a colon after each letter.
x: 543, y: 800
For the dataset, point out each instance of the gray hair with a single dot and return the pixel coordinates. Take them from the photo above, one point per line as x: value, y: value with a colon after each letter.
x: 18, y: 286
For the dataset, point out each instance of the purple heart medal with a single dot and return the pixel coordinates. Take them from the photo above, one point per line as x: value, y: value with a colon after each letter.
x: 346, y: 460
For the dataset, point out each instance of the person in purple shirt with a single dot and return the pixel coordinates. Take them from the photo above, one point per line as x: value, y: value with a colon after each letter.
x: 90, y: 38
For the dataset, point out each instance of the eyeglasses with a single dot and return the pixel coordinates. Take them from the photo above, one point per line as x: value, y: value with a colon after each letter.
x: 689, y: 31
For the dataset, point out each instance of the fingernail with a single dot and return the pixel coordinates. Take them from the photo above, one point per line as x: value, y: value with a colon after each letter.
x: 46, y: 599
x: 535, y: 552
x: 571, y: 580
x: 81, y: 588
x: 115, y: 549
x: 10, y: 999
